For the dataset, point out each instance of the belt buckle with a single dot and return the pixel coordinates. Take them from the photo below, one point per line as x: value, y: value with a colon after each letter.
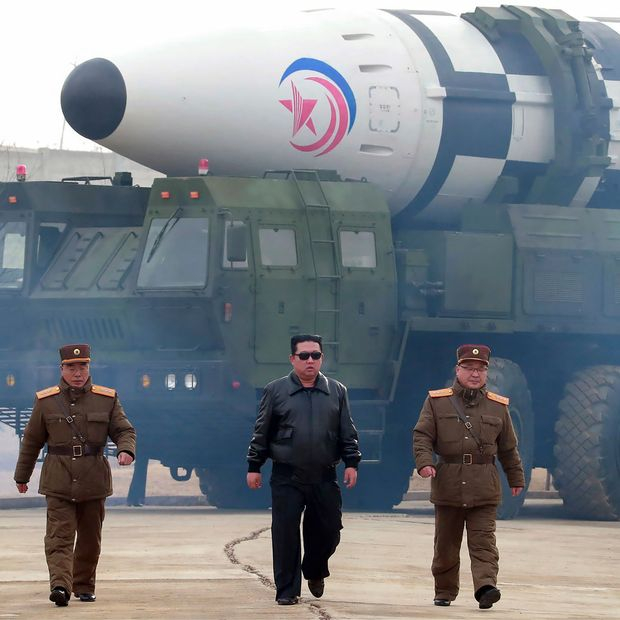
x: 468, y: 459
x: 77, y: 451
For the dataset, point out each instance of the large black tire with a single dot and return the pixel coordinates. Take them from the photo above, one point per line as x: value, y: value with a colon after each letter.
x: 507, y: 379
x: 587, y: 449
x: 225, y: 487
x: 379, y: 489
x: 381, y: 486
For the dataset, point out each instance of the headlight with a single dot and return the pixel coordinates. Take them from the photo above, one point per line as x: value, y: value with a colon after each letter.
x: 191, y: 381
x: 171, y: 381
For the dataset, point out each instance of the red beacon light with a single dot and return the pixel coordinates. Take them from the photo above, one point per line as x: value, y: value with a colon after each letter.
x: 203, y: 167
x: 20, y: 172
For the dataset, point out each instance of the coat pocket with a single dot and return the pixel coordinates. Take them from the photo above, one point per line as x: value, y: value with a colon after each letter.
x: 58, y: 430
x: 283, y: 434
x: 449, y: 427
x: 490, y: 428
x: 98, y: 425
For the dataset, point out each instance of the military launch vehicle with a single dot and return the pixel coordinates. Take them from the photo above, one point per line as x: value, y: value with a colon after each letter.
x: 399, y: 181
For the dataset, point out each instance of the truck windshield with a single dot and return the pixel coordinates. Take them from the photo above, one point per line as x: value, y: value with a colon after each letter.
x: 176, y: 257
x: 12, y: 254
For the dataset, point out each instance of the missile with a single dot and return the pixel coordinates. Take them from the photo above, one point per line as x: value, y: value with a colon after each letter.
x: 438, y: 110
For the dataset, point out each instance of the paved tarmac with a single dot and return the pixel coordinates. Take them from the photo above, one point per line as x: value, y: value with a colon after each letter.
x: 199, y: 562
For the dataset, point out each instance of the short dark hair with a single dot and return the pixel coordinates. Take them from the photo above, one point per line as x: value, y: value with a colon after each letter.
x: 295, y: 340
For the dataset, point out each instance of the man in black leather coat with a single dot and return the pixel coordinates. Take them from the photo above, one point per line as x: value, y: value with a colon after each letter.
x: 304, y: 425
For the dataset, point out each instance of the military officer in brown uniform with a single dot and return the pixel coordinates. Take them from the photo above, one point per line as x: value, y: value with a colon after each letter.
x: 75, y: 419
x: 468, y: 428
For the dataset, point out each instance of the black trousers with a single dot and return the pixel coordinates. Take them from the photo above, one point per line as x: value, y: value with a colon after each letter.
x: 321, y: 504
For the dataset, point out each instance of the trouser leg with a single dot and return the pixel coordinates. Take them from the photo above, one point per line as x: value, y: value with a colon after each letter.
x: 59, y: 539
x: 90, y: 517
x: 449, y: 523
x: 321, y: 528
x: 287, y: 504
x: 483, y: 551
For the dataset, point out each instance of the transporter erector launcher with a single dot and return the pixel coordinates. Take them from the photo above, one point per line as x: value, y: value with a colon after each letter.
x: 436, y: 109
x: 494, y: 138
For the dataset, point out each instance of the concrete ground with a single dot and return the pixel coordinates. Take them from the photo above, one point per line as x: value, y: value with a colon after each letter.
x: 199, y: 562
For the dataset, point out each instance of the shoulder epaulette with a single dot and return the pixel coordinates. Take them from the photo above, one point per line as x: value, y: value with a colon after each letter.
x: 438, y: 393
x: 104, y: 391
x: 50, y: 391
x: 504, y: 400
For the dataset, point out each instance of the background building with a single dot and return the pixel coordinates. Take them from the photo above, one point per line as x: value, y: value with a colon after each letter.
x: 47, y: 164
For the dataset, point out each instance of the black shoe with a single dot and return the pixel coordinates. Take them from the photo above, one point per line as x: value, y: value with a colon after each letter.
x: 486, y: 596
x: 288, y: 601
x: 60, y: 596
x: 441, y: 602
x: 316, y: 587
x: 86, y: 597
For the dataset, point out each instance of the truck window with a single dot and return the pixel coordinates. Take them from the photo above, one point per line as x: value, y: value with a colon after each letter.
x: 277, y: 247
x: 49, y: 237
x: 176, y: 254
x: 241, y: 264
x: 358, y: 249
x: 12, y: 254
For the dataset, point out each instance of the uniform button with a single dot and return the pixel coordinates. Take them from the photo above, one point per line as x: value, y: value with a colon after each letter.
x: 75, y: 480
x: 74, y: 437
x: 464, y: 505
x: 463, y: 482
x: 73, y: 405
x: 73, y: 458
x: 465, y: 438
x: 73, y: 499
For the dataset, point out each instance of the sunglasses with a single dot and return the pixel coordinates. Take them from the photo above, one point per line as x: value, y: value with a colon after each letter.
x: 304, y: 355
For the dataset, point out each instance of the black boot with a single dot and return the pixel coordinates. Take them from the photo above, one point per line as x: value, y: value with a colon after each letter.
x: 60, y: 596
x: 486, y: 596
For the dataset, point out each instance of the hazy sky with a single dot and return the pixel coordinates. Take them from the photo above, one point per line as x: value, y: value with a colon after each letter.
x: 43, y: 39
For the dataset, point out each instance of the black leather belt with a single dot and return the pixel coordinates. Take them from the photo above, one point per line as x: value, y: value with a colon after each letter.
x: 76, y: 451
x: 299, y: 475
x: 468, y: 459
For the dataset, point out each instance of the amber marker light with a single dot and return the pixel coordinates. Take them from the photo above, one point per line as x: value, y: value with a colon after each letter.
x: 146, y: 381
x: 194, y: 195
x: 10, y: 380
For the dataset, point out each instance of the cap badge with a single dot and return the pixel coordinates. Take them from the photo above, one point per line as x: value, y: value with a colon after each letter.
x: 475, y: 351
x: 76, y: 351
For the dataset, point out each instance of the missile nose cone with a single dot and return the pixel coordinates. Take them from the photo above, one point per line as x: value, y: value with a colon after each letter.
x: 93, y: 98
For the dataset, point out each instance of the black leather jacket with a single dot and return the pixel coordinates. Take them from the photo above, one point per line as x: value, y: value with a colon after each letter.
x: 308, y: 428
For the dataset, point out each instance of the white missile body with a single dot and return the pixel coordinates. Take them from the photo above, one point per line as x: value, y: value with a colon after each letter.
x: 422, y: 104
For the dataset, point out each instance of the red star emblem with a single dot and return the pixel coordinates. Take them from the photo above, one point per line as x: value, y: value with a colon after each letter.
x: 301, y: 109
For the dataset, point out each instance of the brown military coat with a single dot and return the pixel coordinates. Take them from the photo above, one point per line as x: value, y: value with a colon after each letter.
x: 440, y: 430
x: 98, y: 414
